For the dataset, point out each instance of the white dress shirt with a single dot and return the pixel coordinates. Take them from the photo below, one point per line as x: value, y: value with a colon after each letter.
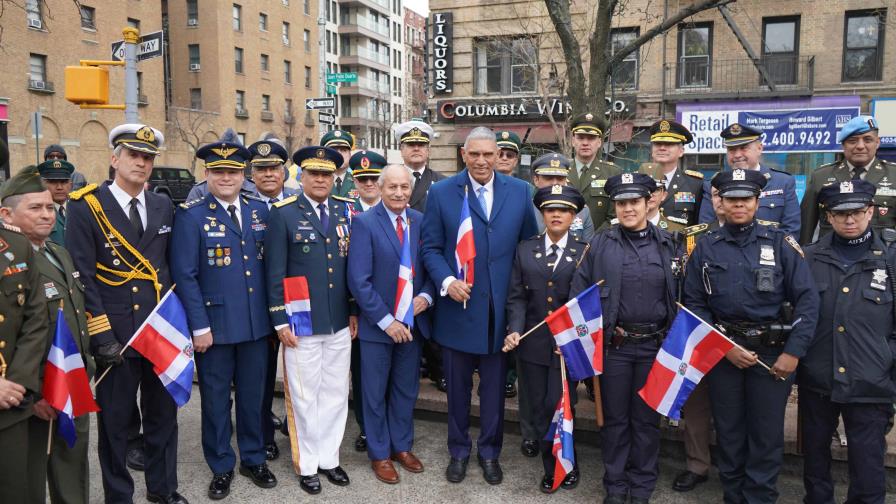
x: 124, y: 201
x: 314, y: 205
x: 236, y: 203
x: 489, y: 197
x: 560, y: 244
x: 267, y: 199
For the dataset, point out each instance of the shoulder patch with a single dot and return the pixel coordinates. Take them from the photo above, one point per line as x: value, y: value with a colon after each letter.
x: 793, y: 243
x: 695, y: 229
x: 253, y: 197
x: 80, y: 193
x: 341, y: 198
x: 694, y: 173
x: 192, y: 203
x: 10, y: 227
x: 286, y: 201
x: 768, y: 223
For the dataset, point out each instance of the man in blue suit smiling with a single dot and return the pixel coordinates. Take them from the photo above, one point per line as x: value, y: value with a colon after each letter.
x: 469, y: 319
x: 390, y: 354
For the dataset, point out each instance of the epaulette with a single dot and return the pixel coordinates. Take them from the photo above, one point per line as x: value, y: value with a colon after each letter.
x: 780, y: 171
x: 187, y: 204
x: 80, y: 193
x: 695, y: 229
x: 793, y: 243
x: 342, y: 198
x: 253, y: 197
x: 10, y: 227
x: 694, y: 173
x: 826, y: 165
x: 768, y: 223
x: 286, y: 201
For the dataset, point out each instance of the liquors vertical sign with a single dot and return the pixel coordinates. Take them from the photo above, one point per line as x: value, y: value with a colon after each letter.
x: 442, y: 59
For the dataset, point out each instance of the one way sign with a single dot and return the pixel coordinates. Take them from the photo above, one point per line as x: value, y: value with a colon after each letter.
x: 319, y: 103
x: 150, y: 46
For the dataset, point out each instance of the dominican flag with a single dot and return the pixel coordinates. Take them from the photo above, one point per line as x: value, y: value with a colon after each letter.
x: 404, y: 293
x: 298, y: 305
x: 164, y: 339
x: 578, y: 330
x: 690, y: 350
x: 66, y: 387
x: 465, y: 249
x: 561, y: 431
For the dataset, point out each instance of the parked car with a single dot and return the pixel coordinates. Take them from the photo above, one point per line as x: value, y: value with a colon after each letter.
x: 172, y: 182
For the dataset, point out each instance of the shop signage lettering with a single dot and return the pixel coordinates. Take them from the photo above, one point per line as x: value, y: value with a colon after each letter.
x: 442, y: 56
x: 521, y: 109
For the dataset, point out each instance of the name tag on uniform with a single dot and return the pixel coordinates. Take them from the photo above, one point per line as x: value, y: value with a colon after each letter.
x: 685, y: 197
x: 766, y: 255
x: 598, y: 183
x: 885, y: 191
x: 164, y: 229
x: 878, y: 279
x: 50, y: 290
x: 259, y: 227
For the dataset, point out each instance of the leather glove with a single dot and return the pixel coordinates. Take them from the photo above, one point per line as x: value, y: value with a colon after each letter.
x: 108, y: 354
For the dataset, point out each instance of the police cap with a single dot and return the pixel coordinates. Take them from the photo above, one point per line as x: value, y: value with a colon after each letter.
x: 847, y: 195
x: 267, y: 153
x: 667, y: 131
x: 559, y: 196
x: 738, y: 134
x: 630, y: 186
x: 551, y: 165
x: 739, y: 183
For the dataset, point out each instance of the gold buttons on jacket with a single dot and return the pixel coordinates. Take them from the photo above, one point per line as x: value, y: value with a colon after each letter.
x: 2, y: 344
x: 550, y: 299
x: 136, y: 307
x: 846, y: 289
x: 550, y: 284
x: 2, y: 318
x: 329, y: 270
x: 134, y: 289
x: 248, y: 273
x: 841, y: 369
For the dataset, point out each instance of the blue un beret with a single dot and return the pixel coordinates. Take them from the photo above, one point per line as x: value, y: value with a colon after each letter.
x: 856, y: 126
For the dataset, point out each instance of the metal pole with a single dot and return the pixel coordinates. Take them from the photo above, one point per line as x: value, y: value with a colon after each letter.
x: 131, y: 37
x: 36, y: 120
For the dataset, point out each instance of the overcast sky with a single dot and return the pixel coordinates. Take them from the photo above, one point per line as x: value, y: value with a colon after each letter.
x: 420, y: 6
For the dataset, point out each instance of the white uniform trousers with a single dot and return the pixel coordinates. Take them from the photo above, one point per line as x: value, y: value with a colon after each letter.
x: 315, y: 379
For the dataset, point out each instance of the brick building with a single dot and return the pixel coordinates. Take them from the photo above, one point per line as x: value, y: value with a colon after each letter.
x: 414, y: 49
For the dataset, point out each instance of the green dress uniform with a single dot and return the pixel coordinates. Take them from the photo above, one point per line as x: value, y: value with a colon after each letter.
x: 590, y: 178
x: 57, y: 169
x: 23, y: 345
x: 65, y: 471
x: 344, y: 187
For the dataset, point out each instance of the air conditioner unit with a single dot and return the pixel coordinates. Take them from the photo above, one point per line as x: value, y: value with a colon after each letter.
x: 37, y: 84
x: 35, y: 23
x: 194, y: 67
x: 192, y: 22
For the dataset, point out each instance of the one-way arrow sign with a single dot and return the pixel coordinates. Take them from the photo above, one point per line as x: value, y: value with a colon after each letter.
x: 319, y: 103
x: 324, y: 118
x: 149, y: 46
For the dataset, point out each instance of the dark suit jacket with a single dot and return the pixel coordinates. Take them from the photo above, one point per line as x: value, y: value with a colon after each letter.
x: 512, y: 220
x: 373, y: 261
x: 421, y: 188
x: 127, y: 305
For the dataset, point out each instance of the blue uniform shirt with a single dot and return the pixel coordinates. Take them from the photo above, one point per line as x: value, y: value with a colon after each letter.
x: 777, y: 202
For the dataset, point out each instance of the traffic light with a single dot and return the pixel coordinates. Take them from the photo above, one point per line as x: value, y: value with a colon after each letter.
x: 87, y: 85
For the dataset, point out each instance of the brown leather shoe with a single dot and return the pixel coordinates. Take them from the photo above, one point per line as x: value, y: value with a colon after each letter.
x: 384, y: 471
x: 409, y: 461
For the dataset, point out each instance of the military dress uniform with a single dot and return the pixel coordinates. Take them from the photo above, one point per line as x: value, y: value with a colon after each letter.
x: 557, y: 165
x: 640, y: 270
x: 684, y: 188
x: 344, y: 186
x: 57, y: 169
x: 539, y: 283
x: 307, y: 238
x: 217, y: 261
x: 122, y: 259
x: 850, y: 368
x: 738, y: 278
x: 23, y: 346
x: 880, y: 173
x: 416, y: 131
x: 591, y: 178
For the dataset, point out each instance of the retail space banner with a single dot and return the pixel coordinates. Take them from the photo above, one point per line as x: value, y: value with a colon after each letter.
x: 803, y: 125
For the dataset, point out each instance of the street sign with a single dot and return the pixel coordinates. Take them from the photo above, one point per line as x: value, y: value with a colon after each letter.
x: 150, y: 46
x: 342, y: 77
x: 331, y: 89
x: 319, y: 103
x: 325, y: 118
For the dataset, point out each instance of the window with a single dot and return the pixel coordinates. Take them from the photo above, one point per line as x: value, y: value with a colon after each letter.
x: 780, y: 49
x: 306, y: 40
x: 265, y: 63
x: 266, y: 103
x: 134, y: 23
x: 193, y: 50
x: 88, y: 17
x: 37, y: 67
x: 192, y: 12
x: 262, y: 21
x: 242, y: 137
x: 625, y: 76
x: 34, y: 12
x: 139, y: 85
x: 505, y: 66
x: 238, y: 60
x: 237, y: 17
x: 287, y: 71
x: 329, y: 43
x: 308, y: 77
x: 287, y: 107
x: 284, y: 30
x: 196, y: 98
x: 695, y: 55
x: 241, y: 100
x: 306, y: 6
x: 863, y: 45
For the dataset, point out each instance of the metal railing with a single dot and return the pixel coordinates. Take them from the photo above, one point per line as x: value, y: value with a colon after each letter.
x: 363, y: 52
x: 41, y: 85
x: 772, y: 75
x: 364, y: 22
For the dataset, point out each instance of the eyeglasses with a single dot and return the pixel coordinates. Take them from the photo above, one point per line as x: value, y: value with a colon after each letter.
x: 842, y: 215
x: 508, y: 154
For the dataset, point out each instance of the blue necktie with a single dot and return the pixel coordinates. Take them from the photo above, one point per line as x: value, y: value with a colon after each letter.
x: 324, y: 218
x: 480, y: 195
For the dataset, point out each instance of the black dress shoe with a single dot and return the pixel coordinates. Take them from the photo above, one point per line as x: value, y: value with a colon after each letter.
x: 509, y: 390
x: 335, y: 476
x: 686, y: 481
x: 271, y: 451
x: 457, y: 469
x: 614, y: 499
x: 136, y: 459
x: 491, y: 471
x: 278, y: 424
x: 361, y: 443
x: 571, y: 480
x: 310, y: 484
x: 442, y: 385
x: 547, y: 484
x: 529, y: 447
x: 260, y: 475
x: 172, y: 498
x: 284, y: 429
x: 220, y: 485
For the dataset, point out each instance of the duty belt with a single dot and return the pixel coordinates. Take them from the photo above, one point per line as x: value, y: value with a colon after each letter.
x: 637, y: 334
x: 753, y: 336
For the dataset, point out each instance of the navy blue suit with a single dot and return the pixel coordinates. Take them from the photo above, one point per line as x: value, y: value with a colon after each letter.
x: 777, y: 202
x: 474, y: 336
x: 390, y: 372
x: 219, y: 271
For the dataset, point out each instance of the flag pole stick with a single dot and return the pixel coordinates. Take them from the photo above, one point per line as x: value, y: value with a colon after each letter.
x: 742, y: 349
x: 536, y: 326
x: 50, y: 437
x: 466, y: 188
x: 598, y: 402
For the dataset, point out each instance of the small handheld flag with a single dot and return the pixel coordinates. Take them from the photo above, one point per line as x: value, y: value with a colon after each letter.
x: 298, y: 305
x: 691, y: 349
x: 164, y: 339
x: 578, y: 329
x: 66, y: 387
x: 465, y: 248
x: 404, y: 292
x: 561, y: 431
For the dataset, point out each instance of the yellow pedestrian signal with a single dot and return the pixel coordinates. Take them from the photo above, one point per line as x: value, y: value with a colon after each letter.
x: 87, y: 84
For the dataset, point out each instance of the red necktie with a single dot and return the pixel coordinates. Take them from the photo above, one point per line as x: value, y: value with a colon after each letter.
x: 399, y: 230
